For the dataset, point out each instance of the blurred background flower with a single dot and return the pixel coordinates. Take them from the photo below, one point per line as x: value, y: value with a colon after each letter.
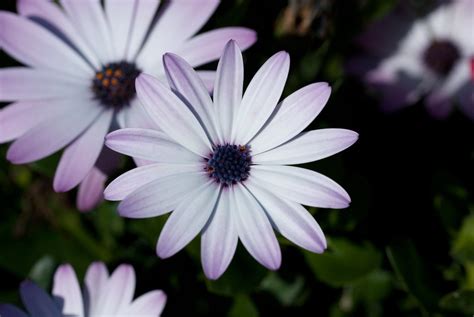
x: 403, y: 248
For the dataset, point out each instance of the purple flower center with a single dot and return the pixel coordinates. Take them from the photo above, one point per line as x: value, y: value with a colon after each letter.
x: 229, y: 164
x: 440, y: 56
x: 114, y: 85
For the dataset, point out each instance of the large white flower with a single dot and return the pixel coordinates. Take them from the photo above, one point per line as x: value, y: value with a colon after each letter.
x: 221, y: 164
x: 80, y: 84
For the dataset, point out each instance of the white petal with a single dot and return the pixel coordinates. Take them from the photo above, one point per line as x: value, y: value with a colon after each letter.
x: 308, y: 147
x: 35, y: 46
x: 228, y: 89
x: 149, y: 145
x: 292, y: 116
x: 91, y: 190
x: 120, y: 17
x: 89, y: 19
x: 208, y: 77
x: 67, y: 288
x: 136, y: 116
x: 161, y: 195
x: 79, y: 157
x: 291, y: 219
x: 150, y: 304
x: 179, y: 21
x: 22, y: 83
x: 95, y: 281
x: 53, y: 14
x: 188, y: 219
x: 172, y: 115
x: 261, y: 97
x: 219, y: 238
x: 254, y: 228
x: 301, y: 185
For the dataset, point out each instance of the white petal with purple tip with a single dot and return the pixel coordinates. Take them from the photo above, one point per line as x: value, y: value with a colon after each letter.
x: 67, y: 288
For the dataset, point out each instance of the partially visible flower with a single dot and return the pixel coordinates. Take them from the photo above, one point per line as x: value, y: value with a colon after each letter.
x: 220, y: 165
x: 80, y: 84
x: 103, y: 296
x: 409, y: 58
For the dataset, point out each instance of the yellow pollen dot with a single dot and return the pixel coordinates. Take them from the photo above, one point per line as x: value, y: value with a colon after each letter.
x: 108, y: 72
x: 99, y: 76
x: 106, y: 82
x: 114, y: 81
x: 118, y: 73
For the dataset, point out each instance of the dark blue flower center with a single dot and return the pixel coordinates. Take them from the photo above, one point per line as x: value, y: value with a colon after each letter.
x: 229, y: 164
x: 114, y: 85
x: 440, y: 56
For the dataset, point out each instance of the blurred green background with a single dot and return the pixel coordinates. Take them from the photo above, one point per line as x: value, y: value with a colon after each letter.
x: 405, y: 247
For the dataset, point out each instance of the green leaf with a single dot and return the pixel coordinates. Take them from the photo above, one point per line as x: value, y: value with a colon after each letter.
x: 42, y: 271
x: 463, y: 248
x: 344, y: 262
x: 460, y: 302
x: 288, y: 293
x: 372, y: 288
x: 243, y: 306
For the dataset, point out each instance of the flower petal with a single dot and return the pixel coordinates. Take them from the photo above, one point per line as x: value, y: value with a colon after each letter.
x: 51, y: 135
x: 91, y: 190
x: 149, y: 145
x: 172, y: 115
x: 254, y: 228
x: 291, y: 219
x: 35, y: 46
x: 162, y: 195
x: 80, y: 156
x: 228, y: 89
x: 136, y: 116
x: 120, y: 16
x: 179, y: 21
x: 37, y: 301
x: 8, y: 310
x: 208, y: 77
x: 208, y: 46
x: 308, y: 147
x: 95, y: 285
x: 67, y: 288
x: 52, y: 14
x: 188, y: 219
x: 261, y: 97
x: 150, y: 304
x: 88, y: 17
x: 219, y: 239
x: 301, y: 185
x: 23, y: 83
x: 292, y: 116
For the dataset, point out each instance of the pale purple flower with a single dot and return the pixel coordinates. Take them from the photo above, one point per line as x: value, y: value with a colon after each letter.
x: 220, y: 165
x: 83, y: 60
x: 409, y: 58
x: 102, y: 296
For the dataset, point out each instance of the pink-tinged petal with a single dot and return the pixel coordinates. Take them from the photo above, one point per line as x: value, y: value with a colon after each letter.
x: 144, y: 13
x: 55, y: 16
x: 179, y: 20
x: 35, y: 46
x: 8, y: 310
x: 208, y: 46
x: 117, y: 293
x: 91, y: 190
x: 219, y: 238
x: 150, y: 304
x: 161, y: 195
x: 88, y: 18
x: 261, y: 97
x: 188, y: 219
x: 80, y: 156
x: 185, y: 82
x: 172, y: 115
x: 208, y: 77
x: 292, y: 116
x: 228, y: 88
x: 53, y: 134
x: 120, y: 16
x: 22, y: 83
x: 37, y: 301
x: 254, y: 228
x: 291, y: 219
x: 67, y: 288
x: 308, y: 147
x: 301, y: 185
x: 95, y: 281
x: 132, y: 180
x: 149, y: 145
x: 19, y: 117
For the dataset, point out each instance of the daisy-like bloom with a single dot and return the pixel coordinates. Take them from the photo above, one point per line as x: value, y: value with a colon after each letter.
x: 102, y: 296
x: 220, y: 165
x: 80, y: 84
x: 409, y: 58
